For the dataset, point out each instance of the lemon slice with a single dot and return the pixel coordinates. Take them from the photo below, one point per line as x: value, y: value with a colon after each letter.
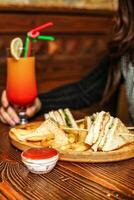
x: 16, y: 47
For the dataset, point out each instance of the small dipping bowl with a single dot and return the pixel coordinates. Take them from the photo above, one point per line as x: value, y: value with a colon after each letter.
x: 40, y: 160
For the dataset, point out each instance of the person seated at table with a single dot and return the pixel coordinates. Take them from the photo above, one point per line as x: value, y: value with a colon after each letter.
x: 96, y: 86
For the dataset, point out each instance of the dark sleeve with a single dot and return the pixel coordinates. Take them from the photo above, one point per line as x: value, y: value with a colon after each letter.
x: 79, y: 94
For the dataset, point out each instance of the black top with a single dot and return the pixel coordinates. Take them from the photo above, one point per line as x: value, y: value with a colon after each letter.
x: 80, y: 94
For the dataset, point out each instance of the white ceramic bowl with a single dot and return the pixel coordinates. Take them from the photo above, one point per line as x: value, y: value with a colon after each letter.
x: 40, y: 160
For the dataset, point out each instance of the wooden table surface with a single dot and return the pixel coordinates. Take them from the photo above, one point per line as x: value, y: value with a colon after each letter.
x: 68, y: 180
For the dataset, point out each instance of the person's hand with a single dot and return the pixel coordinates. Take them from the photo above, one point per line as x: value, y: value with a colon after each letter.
x: 8, y: 114
x: 34, y: 108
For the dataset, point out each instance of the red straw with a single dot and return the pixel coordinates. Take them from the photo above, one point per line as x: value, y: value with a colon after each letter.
x: 35, y: 32
x: 29, y: 48
x: 39, y: 28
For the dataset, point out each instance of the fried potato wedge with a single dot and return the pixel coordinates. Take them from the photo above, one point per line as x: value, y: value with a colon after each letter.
x: 47, y: 143
x: 80, y: 146
x: 72, y: 138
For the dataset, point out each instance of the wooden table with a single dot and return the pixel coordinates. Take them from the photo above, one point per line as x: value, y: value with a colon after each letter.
x: 68, y: 180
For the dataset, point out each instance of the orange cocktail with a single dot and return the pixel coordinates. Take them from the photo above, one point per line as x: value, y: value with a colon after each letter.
x: 21, y: 81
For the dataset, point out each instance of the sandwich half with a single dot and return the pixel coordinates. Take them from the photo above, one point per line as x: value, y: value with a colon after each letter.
x: 95, y: 128
x: 117, y: 136
x: 103, y: 126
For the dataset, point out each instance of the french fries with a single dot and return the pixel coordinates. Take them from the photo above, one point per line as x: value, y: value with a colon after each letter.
x: 72, y: 138
x: 80, y: 146
x: 66, y: 147
x: 47, y: 143
x: 82, y: 136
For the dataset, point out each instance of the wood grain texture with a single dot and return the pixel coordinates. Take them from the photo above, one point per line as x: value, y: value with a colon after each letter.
x: 8, y: 192
x: 107, y: 5
x: 68, y: 180
x: 90, y: 7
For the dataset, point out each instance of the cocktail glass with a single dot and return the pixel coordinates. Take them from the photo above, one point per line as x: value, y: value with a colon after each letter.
x: 21, y: 83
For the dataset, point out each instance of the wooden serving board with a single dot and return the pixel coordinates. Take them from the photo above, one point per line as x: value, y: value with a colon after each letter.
x: 123, y: 153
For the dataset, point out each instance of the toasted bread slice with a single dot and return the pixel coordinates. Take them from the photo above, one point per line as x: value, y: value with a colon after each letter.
x: 60, y: 137
x: 59, y: 118
x: 70, y: 118
x: 89, y: 122
x: 52, y: 115
x: 105, y: 120
x: 63, y: 116
x: 94, y: 130
x: 23, y: 135
x: 45, y: 129
x: 107, y: 128
x: 117, y: 137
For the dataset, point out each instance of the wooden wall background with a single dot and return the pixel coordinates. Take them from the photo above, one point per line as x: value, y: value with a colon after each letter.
x: 81, y: 41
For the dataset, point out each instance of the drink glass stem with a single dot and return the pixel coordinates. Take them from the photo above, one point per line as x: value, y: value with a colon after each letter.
x: 23, y: 117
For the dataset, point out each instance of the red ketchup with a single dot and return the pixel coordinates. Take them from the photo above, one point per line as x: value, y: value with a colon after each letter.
x: 39, y: 153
